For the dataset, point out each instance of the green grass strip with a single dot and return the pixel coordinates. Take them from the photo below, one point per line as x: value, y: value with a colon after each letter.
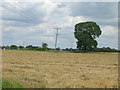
x: 10, y: 84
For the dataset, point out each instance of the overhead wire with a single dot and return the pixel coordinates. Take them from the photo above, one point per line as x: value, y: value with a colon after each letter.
x: 27, y: 14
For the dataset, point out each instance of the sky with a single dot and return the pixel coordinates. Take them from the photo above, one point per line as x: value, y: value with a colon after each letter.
x: 33, y: 23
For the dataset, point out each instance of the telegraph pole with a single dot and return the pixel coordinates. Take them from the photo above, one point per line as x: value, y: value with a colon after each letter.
x: 56, y: 36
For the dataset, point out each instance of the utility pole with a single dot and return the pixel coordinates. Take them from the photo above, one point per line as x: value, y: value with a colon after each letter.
x: 56, y: 36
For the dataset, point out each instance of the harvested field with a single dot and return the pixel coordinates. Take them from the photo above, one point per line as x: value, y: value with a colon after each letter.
x: 61, y: 70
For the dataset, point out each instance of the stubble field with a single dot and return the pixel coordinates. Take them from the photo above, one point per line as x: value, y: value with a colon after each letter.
x: 61, y: 70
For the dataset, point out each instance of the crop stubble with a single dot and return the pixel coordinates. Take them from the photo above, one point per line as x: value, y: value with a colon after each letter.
x: 61, y: 70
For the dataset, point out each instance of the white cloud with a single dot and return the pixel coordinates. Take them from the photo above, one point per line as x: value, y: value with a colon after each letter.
x: 71, y: 21
x: 18, y: 26
x: 110, y: 31
x: 109, y: 37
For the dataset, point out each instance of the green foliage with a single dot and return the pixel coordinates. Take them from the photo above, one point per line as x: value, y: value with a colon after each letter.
x: 29, y: 47
x: 58, y: 48
x: 44, y: 45
x: 86, y: 33
x: 10, y: 84
x: 21, y: 47
x: 13, y: 47
x: 3, y: 47
x: 105, y: 49
x: 6, y: 47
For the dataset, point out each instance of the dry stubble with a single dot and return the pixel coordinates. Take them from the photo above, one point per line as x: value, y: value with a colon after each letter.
x: 61, y: 70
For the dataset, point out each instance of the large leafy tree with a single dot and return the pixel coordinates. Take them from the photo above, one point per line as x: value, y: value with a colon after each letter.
x: 86, y: 34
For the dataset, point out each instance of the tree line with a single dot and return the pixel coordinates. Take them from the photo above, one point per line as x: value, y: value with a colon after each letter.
x: 28, y: 47
x: 45, y: 48
x: 85, y: 33
x: 103, y: 49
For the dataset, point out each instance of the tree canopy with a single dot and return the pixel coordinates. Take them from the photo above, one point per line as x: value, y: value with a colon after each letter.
x: 44, y: 45
x: 86, y: 33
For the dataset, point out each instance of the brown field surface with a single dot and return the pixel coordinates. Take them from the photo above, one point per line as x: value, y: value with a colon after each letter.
x: 61, y: 70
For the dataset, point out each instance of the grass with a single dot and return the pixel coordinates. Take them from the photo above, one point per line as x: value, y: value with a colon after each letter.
x: 42, y: 86
x: 11, y: 84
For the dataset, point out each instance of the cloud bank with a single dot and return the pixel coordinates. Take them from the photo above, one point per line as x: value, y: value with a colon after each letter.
x: 34, y: 22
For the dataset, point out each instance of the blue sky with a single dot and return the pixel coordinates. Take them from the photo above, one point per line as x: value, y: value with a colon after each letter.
x: 34, y: 22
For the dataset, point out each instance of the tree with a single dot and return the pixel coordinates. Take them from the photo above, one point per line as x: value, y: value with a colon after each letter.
x: 29, y: 47
x: 44, y: 45
x: 58, y: 48
x: 86, y: 33
x: 21, y: 47
x: 13, y: 47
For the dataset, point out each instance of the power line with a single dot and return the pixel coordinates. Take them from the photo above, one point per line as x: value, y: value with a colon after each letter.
x: 28, y: 14
x: 56, y: 36
x: 29, y: 11
x: 21, y: 8
x: 14, y: 6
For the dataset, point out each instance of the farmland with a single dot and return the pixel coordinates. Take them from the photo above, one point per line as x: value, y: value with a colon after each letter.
x: 34, y: 69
